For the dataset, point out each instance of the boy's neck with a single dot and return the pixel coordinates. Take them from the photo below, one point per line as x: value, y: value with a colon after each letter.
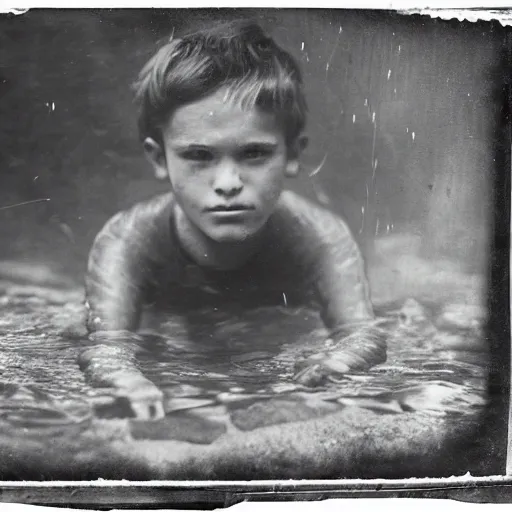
x: 208, y: 253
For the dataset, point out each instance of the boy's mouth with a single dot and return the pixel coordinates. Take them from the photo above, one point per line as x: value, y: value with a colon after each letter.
x: 235, y: 207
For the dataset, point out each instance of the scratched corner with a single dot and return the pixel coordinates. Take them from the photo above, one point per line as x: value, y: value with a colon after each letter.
x: 503, y: 16
x: 16, y: 11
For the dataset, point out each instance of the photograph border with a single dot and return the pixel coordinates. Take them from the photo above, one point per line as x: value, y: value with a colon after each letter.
x: 492, y: 488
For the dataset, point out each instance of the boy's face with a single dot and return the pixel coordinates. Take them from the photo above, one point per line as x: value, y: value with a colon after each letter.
x: 226, y: 165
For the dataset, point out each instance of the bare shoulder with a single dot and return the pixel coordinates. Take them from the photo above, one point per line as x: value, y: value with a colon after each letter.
x: 138, y: 220
x: 312, y: 217
x: 132, y: 235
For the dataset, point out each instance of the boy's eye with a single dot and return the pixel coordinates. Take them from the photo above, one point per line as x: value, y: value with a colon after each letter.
x: 198, y: 155
x: 255, y: 153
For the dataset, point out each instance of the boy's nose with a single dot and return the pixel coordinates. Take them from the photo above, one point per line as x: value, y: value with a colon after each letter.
x: 228, y: 182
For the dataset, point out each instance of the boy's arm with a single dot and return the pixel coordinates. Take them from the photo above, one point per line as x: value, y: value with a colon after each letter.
x: 113, y: 282
x: 334, y: 262
x: 114, y: 286
x: 358, y: 343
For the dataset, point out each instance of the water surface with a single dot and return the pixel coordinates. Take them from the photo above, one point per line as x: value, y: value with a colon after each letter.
x: 238, y: 370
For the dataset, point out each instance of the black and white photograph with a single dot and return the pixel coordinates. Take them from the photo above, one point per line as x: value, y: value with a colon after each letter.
x: 252, y: 244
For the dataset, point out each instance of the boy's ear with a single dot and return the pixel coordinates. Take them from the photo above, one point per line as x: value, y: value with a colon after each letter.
x: 302, y: 142
x: 294, y: 152
x: 156, y: 156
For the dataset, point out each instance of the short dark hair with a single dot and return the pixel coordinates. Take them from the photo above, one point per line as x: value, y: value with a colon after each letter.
x: 237, y: 55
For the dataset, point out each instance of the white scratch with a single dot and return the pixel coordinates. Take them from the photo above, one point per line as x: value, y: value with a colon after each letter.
x: 377, y: 227
x: 36, y: 178
x: 366, y: 102
x: 319, y: 167
x: 284, y: 299
x: 413, y: 135
x: 373, y: 154
x: 373, y: 117
x: 53, y: 106
x: 394, y: 90
x: 399, y: 48
x: 336, y: 44
x: 302, y: 47
x: 24, y: 203
x: 354, y: 118
x: 362, y: 220
x: 407, y: 130
x: 389, y: 74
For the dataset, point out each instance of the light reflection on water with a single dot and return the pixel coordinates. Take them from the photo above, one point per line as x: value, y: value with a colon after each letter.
x: 239, y: 361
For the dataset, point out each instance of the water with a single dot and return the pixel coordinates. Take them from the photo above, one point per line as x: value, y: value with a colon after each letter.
x: 237, y: 372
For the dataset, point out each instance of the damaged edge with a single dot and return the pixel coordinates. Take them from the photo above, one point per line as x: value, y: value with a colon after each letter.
x: 14, y: 10
x: 503, y: 16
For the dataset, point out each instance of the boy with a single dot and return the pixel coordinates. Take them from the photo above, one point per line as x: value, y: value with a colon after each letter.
x: 222, y: 115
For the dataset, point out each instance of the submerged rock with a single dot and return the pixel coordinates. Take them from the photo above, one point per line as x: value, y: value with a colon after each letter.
x: 280, y: 410
x: 179, y: 426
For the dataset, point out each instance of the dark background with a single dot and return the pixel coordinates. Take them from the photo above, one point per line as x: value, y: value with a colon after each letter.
x: 402, y: 118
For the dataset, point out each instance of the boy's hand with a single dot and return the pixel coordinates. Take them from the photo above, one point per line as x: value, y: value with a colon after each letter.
x: 111, y: 363
x: 315, y: 370
x: 146, y: 400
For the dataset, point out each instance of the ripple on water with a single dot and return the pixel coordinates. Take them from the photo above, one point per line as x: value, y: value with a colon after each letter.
x: 238, y: 369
